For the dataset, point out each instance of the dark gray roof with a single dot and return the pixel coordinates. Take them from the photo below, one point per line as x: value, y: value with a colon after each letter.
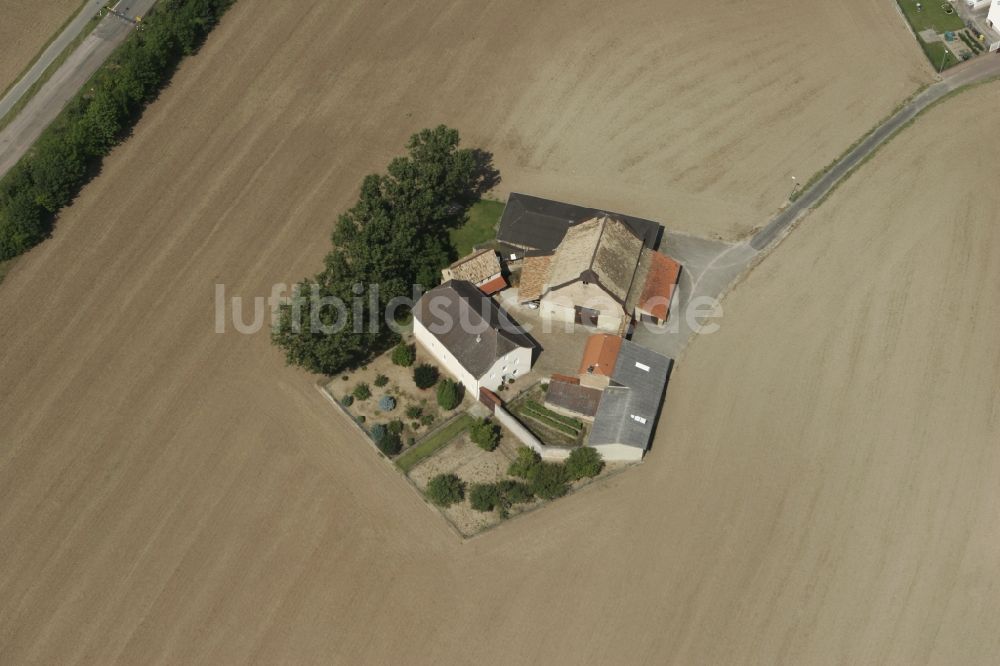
x: 573, y: 397
x: 634, y: 392
x: 540, y: 224
x: 470, y: 325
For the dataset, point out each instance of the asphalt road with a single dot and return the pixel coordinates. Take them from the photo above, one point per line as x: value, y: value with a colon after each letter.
x: 19, y: 135
x: 982, y: 68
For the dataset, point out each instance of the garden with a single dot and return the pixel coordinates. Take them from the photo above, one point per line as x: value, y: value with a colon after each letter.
x: 552, y: 428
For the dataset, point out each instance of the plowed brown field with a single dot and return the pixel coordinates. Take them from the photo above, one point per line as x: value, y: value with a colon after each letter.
x: 25, y: 28
x: 823, y: 484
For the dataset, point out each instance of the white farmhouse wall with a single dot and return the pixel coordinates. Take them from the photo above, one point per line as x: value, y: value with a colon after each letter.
x: 619, y: 452
x: 994, y: 15
x: 560, y: 305
x: 514, y: 364
x: 444, y: 357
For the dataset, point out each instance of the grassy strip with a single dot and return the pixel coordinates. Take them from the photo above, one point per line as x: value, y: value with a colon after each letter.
x: 940, y: 55
x: 480, y: 226
x: 69, y: 152
x: 48, y: 42
x: 822, y: 172
x: 431, y: 444
x: 906, y: 125
x: 49, y: 71
x: 542, y: 409
x: 547, y: 420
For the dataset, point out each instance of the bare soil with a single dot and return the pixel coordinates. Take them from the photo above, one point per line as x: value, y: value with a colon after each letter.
x: 822, y: 488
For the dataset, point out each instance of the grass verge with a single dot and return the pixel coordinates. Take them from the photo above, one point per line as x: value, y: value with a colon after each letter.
x: 49, y: 71
x: 480, y: 226
x: 431, y: 444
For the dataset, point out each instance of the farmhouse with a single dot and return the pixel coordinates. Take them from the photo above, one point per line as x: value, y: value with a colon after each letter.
x: 471, y: 336
x: 991, y: 31
x: 535, y: 224
x: 481, y: 268
x: 626, y: 417
x: 601, y: 275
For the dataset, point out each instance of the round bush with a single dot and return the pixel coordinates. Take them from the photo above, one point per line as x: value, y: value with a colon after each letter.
x: 362, y: 392
x: 347, y: 400
x: 378, y: 431
x: 396, y: 426
x: 584, y: 461
x: 484, y: 496
x: 389, y: 444
x: 485, y: 434
x: 445, y: 490
x: 404, y: 355
x: 387, y: 403
x: 549, y: 480
x: 381, y: 380
x: 448, y: 394
x: 425, y: 376
x: 414, y: 411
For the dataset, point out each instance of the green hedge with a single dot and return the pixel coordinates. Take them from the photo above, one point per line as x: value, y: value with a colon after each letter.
x: 69, y: 151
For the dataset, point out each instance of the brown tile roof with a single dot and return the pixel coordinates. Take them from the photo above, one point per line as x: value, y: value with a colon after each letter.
x: 494, y: 285
x: 475, y: 268
x: 603, y: 246
x: 659, y: 286
x: 600, y: 354
x: 573, y: 397
x: 534, y: 276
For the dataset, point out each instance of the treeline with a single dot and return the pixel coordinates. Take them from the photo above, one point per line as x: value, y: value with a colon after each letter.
x: 394, y: 237
x: 69, y: 151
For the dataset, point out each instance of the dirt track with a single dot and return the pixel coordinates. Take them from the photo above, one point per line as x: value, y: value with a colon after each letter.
x: 171, y: 495
x: 25, y: 29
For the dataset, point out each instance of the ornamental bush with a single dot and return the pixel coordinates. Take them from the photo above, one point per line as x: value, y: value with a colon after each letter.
x: 414, y: 411
x: 381, y: 380
x: 425, y: 376
x: 362, y: 392
x: 448, y: 394
x: 396, y: 426
x: 378, y: 431
x: 525, y: 460
x: 445, y: 490
x: 404, y: 355
x: 484, y: 496
x: 584, y: 461
x: 387, y: 403
x: 548, y: 480
x: 347, y: 400
x: 390, y: 444
x: 485, y: 434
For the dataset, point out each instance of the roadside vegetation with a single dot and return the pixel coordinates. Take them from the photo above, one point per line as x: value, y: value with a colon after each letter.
x: 395, y: 236
x: 69, y: 151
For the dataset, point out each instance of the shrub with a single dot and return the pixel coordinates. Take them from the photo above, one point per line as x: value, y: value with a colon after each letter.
x: 381, y: 380
x: 448, y: 394
x: 548, y: 480
x: 445, y: 490
x: 404, y: 355
x: 525, y: 460
x: 584, y: 461
x: 390, y: 444
x: 396, y: 426
x: 344, y: 377
x: 361, y: 419
x: 484, y: 496
x: 425, y: 376
x: 387, y: 403
x: 415, y: 425
x: 347, y: 400
x: 515, y: 492
x: 378, y: 431
x: 362, y: 392
x: 485, y: 434
x: 427, y: 419
x: 410, y: 441
x: 414, y: 411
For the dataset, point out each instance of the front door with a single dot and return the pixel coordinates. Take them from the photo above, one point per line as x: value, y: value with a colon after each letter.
x: 586, y: 316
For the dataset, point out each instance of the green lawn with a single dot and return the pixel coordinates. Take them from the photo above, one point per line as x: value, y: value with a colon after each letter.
x: 932, y: 16
x: 936, y: 54
x: 430, y: 445
x: 481, y: 226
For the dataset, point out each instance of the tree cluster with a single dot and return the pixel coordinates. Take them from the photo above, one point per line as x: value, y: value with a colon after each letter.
x: 394, y: 237
x: 67, y: 153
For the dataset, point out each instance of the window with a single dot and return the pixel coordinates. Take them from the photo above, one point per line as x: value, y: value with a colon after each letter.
x: 640, y: 419
x: 642, y: 366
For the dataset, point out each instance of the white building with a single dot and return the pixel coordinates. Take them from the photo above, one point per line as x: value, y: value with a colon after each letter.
x: 471, y: 336
x: 992, y: 33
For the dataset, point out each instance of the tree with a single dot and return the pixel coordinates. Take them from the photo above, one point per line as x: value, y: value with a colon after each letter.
x: 425, y: 376
x: 404, y: 355
x: 486, y: 434
x: 445, y: 490
x: 448, y: 394
x: 584, y: 461
x: 484, y: 496
x: 548, y: 480
x: 525, y: 460
x: 501, y: 495
x: 390, y: 443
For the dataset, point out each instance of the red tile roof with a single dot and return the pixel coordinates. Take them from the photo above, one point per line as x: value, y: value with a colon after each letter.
x: 659, y: 287
x: 600, y: 354
x: 494, y: 285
